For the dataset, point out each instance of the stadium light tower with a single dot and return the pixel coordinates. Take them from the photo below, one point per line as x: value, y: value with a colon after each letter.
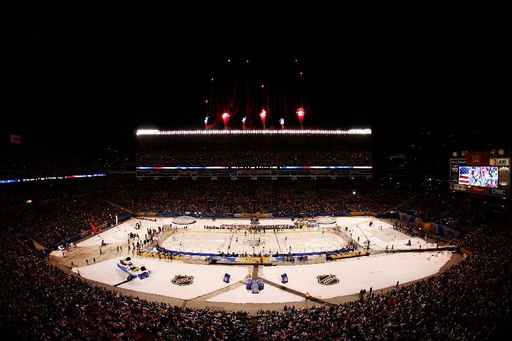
x: 244, y: 119
x: 281, y: 121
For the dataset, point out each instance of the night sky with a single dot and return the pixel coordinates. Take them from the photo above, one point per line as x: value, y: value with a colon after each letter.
x: 403, y: 79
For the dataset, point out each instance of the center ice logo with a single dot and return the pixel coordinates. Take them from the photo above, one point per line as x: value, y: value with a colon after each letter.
x: 182, y: 280
x: 254, y: 243
x: 327, y: 279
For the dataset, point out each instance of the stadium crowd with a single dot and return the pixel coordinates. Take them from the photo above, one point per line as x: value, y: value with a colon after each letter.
x: 252, y: 150
x: 76, y: 209
x: 468, y: 301
x: 76, y: 204
x: 39, y: 301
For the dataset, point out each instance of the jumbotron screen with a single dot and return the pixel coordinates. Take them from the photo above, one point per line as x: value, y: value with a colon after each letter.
x: 481, y: 176
x: 254, y: 153
x: 481, y: 172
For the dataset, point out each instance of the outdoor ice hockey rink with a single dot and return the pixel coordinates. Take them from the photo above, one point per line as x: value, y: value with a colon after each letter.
x: 189, y: 279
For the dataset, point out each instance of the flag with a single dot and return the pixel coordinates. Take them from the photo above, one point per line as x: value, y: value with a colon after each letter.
x: 91, y: 223
x: 464, y: 175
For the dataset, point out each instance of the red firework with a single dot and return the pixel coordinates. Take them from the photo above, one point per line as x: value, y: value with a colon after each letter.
x: 300, y: 115
x: 263, y: 116
x: 225, y: 118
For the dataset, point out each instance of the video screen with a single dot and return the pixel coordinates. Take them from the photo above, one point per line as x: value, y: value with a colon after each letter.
x: 481, y: 176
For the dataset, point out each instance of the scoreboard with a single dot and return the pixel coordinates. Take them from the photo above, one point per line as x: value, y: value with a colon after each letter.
x: 481, y: 172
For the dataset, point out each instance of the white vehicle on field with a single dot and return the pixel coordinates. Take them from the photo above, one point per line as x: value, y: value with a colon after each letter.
x: 132, y: 270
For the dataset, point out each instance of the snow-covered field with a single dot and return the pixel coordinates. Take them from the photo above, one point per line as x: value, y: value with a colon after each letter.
x: 378, y: 270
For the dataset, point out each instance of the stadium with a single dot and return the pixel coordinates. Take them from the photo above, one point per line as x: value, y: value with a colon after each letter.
x: 248, y: 235
x: 348, y: 182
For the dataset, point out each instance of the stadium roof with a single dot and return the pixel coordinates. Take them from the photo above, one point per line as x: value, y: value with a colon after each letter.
x: 366, y: 131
